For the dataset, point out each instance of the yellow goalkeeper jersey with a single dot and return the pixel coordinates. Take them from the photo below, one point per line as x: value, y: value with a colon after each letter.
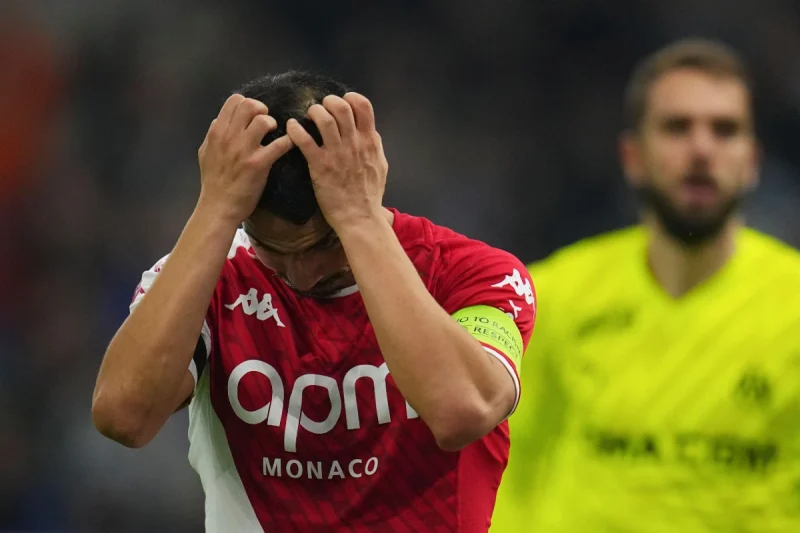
x: 644, y: 413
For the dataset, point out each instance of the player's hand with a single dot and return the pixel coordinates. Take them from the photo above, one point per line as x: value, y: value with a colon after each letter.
x: 233, y: 164
x: 349, y: 170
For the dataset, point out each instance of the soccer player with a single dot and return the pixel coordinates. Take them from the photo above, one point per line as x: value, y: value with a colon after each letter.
x: 347, y: 367
x: 663, y: 382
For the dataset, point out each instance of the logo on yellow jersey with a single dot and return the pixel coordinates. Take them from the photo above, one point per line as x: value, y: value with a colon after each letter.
x: 753, y: 389
x: 608, y: 320
x: 726, y: 452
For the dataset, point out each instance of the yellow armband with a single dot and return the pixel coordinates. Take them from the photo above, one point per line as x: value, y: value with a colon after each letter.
x: 494, y: 328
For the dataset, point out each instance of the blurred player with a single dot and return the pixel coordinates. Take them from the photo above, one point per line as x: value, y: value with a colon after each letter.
x: 663, y: 385
x: 339, y: 356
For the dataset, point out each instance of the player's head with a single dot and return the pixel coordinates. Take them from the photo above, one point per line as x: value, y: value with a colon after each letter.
x: 690, y: 149
x: 287, y: 229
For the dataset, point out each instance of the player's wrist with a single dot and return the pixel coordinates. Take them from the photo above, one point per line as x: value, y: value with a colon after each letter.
x: 355, y: 219
x: 361, y: 226
x: 224, y: 215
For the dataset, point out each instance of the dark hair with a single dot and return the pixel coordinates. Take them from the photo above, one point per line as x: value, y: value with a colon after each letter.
x: 289, y: 193
x: 705, y: 55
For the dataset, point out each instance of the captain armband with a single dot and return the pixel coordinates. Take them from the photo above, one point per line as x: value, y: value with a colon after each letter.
x: 493, y: 328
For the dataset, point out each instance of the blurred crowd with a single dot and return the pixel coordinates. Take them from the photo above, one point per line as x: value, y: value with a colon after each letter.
x: 499, y: 119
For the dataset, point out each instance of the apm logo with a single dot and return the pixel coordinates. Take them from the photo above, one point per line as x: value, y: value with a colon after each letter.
x: 753, y: 389
x: 342, y: 396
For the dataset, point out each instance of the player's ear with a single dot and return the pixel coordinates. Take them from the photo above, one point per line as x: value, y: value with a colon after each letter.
x: 631, y: 157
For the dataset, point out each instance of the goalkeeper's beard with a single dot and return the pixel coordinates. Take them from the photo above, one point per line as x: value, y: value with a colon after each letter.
x: 691, y: 230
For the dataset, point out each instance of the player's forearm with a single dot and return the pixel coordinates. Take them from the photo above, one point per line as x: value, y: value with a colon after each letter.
x: 440, y: 369
x: 146, y: 363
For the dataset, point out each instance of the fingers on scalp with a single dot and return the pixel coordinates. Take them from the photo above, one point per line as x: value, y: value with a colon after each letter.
x: 325, y: 123
x: 244, y: 114
x: 230, y: 105
x: 341, y: 110
x: 300, y: 137
x: 260, y: 126
x: 320, y: 115
x: 275, y: 150
x: 255, y: 106
x: 265, y: 121
x: 334, y: 103
x: 233, y: 101
x: 362, y: 110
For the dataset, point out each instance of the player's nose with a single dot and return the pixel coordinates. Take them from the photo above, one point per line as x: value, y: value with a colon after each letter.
x: 703, y: 141
x: 303, y: 275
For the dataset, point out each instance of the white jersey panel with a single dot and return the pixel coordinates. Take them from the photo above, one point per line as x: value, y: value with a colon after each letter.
x: 227, y: 505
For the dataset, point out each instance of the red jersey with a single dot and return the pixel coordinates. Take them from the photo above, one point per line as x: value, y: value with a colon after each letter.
x: 296, y: 425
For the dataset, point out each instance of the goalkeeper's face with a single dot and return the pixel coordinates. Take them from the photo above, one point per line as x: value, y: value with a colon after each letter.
x: 694, y: 156
x: 308, y: 257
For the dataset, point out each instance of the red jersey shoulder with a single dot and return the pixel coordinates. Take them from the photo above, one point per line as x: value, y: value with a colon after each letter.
x: 465, y: 272
x: 237, y: 261
x: 242, y: 285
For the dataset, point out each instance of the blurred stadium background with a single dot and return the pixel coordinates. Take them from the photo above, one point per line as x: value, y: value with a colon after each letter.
x: 499, y: 119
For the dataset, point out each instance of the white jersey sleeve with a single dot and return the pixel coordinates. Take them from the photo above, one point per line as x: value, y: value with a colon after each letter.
x: 203, y: 348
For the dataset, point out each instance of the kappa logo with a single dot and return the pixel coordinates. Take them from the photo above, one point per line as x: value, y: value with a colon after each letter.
x: 251, y: 306
x: 520, y: 286
x: 514, y: 308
